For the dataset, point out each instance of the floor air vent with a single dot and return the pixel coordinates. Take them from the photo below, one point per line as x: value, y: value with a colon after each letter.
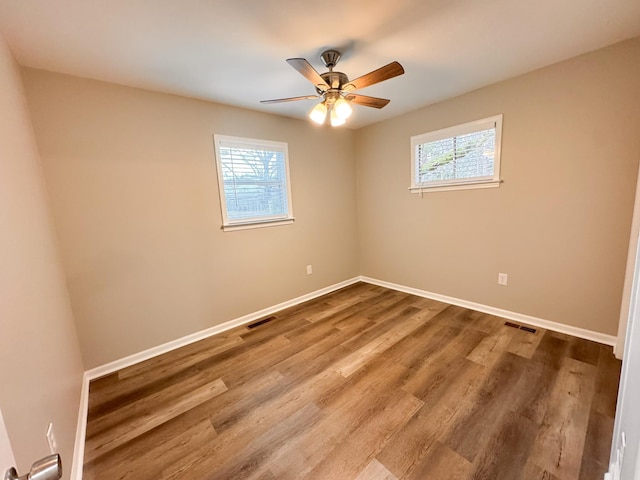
x: 521, y: 327
x: 260, y: 322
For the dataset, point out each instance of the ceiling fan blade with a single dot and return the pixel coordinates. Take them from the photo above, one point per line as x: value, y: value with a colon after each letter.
x: 373, y: 102
x: 381, y: 74
x: 307, y: 71
x: 290, y: 99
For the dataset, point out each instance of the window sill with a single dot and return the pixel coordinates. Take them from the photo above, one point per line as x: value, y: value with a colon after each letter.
x: 257, y: 224
x: 443, y: 187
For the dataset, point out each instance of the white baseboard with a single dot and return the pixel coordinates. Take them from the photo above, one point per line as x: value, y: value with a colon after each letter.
x: 517, y: 317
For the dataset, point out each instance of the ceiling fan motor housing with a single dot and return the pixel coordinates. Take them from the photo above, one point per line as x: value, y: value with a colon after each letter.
x: 335, y: 80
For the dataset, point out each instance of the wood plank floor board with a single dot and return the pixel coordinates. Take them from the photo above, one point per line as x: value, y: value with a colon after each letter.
x: 468, y: 435
x: 584, y: 351
x: 436, y: 336
x: 315, y: 359
x: 406, y: 449
x: 355, y: 293
x: 261, y: 357
x: 157, y: 449
x: 254, y: 423
x: 340, y: 303
x: 525, y: 343
x: 370, y: 331
x: 231, y: 406
x: 355, y: 315
x: 303, y: 453
x: 551, y: 350
x: 362, y: 383
x: 429, y: 377
x: 370, y: 382
x: 491, y: 347
x: 255, y: 365
x: 348, y: 458
x: 410, y: 351
x: 383, y: 342
x: 393, y: 309
x: 533, y: 472
x: 266, y: 476
x: 370, y: 392
x: 147, y: 420
x: 305, y: 314
x: 441, y: 462
x: 607, y: 383
x: 274, y: 328
x: 514, y: 440
x: 597, y: 447
x: 164, y: 365
x: 152, y: 402
x: 281, y: 397
x: 253, y: 454
x: 375, y: 471
x: 533, y: 398
x: 484, y: 322
x: 560, y: 440
x: 218, y: 363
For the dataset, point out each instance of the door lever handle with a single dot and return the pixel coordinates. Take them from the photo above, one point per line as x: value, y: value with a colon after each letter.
x: 47, y: 468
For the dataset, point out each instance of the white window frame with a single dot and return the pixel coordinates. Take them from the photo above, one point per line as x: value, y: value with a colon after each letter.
x: 450, y: 132
x: 256, y: 222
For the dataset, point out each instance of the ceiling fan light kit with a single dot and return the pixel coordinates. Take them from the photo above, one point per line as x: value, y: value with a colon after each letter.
x: 334, y: 88
x: 338, y: 107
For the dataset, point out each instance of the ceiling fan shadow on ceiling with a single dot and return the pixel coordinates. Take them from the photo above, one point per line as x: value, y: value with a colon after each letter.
x: 335, y: 89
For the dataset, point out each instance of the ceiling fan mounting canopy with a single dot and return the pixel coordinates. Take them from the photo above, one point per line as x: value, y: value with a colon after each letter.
x: 330, y: 58
x: 330, y: 86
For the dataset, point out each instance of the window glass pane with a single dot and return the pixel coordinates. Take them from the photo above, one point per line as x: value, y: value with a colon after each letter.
x: 457, y: 157
x: 465, y: 156
x: 254, y: 180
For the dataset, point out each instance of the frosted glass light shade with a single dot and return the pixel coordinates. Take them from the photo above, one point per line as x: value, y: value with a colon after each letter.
x: 319, y: 113
x: 336, y: 121
x: 342, y: 108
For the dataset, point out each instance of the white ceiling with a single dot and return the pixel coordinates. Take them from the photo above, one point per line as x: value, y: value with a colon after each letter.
x: 234, y: 51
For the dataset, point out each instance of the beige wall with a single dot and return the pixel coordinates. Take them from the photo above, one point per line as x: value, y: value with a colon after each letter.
x: 559, y: 224
x: 133, y: 190
x: 134, y: 194
x: 40, y: 364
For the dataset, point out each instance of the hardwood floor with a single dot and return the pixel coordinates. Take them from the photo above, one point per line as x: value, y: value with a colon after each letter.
x: 364, y: 383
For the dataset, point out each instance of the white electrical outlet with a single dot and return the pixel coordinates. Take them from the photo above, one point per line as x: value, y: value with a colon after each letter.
x: 51, y: 439
x: 502, y: 278
x: 309, y: 269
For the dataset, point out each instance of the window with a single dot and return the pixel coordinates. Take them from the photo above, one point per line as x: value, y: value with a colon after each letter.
x: 253, y: 176
x: 464, y: 156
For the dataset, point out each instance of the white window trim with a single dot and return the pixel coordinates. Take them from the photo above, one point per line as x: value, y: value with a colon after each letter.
x: 257, y: 224
x: 244, y: 224
x: 462, y: 184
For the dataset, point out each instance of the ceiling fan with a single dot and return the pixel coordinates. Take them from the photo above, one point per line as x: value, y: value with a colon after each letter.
x: 336, y: 89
